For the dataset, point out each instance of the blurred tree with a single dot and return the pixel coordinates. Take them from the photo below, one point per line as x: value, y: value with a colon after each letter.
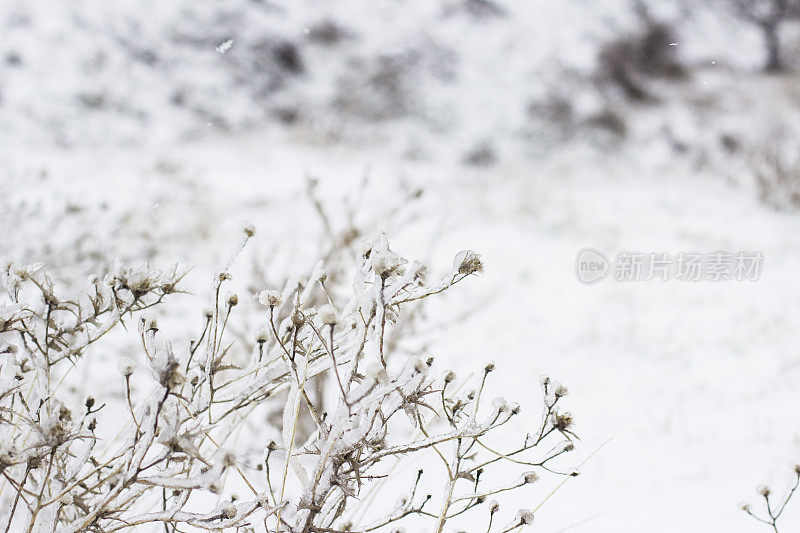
x: 769, y: 16
x: 634, y: 58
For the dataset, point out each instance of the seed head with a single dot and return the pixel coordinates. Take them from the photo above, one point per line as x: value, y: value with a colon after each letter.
x: 298, y: 318
x: 489, y: 367
x: 193, y: 376
x: 494, y: 506
x: 7, y: 454
x: 420, y: 272
x: 19, y: 271
x: 328, y: 315
x: 149, y: 323
x: 270, y: 298
x: 229, y: 511
x: 562, y: 421
x: 420, y: 365
x: 263, y: 500
x: 249, y: 229
x: 763, y: 490
x: 126, y: 366
x: 530, y: 477
x: 449, y: 376
x: 168, y: 288
x: 385, y: 263
x: 467, y: 262
x: 34, y: 462
x: 54, y: 430
x: 64, y: 414
x: 169, y: 372
x: 233, y: 300
x: 228, y: 458
x: 525, y: 516
x: 500, y: 404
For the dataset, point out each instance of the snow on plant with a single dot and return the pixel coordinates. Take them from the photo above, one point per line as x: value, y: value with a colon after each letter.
x: 179, y: 463
x: 774, y: 509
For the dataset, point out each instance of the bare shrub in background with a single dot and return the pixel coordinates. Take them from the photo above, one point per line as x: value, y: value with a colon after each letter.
x: 776, y: 168
x: 773, y: 508
x: 180, y: 462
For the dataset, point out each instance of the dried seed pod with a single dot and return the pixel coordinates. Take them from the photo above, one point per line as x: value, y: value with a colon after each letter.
x: 229, y: 511
x: 126, y: 366
x: 270, y: 298
x: 328, y: 315
x: 467, y: 262
x: 525, y: 516
x: 298, y: 318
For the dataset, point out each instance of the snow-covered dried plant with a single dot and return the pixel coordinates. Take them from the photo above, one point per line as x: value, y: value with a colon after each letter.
x: 203, y: 435
x: 776, y: 169
x: 47, y: 452
x: 773, y: 508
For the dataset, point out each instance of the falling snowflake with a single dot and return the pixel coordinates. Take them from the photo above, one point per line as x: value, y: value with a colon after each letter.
x: 224, y: 47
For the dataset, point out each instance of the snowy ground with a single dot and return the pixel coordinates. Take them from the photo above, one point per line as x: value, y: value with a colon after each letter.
x: 694, y: 383
x: 125, y: 132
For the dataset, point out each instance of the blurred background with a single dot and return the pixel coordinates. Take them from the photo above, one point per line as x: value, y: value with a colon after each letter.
x: 527, y: 131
